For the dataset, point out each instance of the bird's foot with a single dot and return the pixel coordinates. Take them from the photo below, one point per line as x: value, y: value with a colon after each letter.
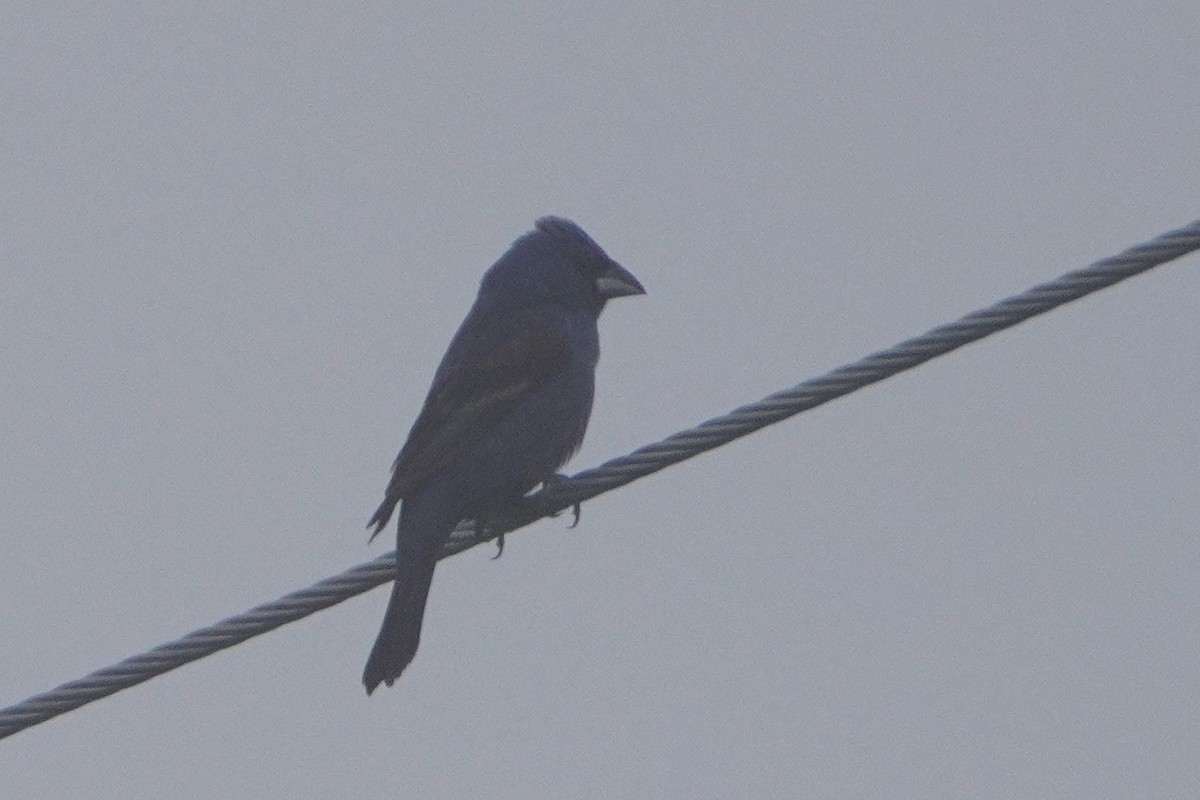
x: 531, y: 503
x: 481, y: 532
x: 557, y: 478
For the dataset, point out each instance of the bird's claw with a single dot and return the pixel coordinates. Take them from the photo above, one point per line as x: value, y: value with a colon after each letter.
x: 557, y: 478
x: 481, y: 532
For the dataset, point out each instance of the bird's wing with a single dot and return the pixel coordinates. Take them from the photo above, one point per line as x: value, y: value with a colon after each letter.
x: 465, y: 404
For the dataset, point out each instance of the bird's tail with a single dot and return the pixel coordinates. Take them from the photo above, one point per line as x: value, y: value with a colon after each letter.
x: 401, y: 632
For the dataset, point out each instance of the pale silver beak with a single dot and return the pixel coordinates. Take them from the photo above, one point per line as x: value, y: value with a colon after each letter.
x: 616, y: 281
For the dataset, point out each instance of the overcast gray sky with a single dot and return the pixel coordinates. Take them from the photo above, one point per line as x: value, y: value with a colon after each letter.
x: 236, y: 240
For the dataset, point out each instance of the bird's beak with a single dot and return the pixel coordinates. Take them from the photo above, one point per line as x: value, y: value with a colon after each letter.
x: 616, y: 281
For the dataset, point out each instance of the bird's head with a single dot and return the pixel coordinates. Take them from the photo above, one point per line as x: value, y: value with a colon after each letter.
x: 559, y: 262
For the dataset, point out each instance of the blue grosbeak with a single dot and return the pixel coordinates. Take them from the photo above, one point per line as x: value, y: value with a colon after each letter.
x: 509, y: 405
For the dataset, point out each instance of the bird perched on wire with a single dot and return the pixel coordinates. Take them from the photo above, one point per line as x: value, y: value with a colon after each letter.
x: 508, y: 406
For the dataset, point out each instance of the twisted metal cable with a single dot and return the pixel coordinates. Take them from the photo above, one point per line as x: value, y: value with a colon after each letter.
x: 610, y: 475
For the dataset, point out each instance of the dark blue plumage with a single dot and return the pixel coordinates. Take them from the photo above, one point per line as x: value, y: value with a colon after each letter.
x: 508, y: 406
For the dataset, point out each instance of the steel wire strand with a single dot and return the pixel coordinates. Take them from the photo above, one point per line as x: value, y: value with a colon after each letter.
x: 612, y: 474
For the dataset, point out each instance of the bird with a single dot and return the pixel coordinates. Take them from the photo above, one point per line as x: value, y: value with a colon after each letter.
x: 509, y: 405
